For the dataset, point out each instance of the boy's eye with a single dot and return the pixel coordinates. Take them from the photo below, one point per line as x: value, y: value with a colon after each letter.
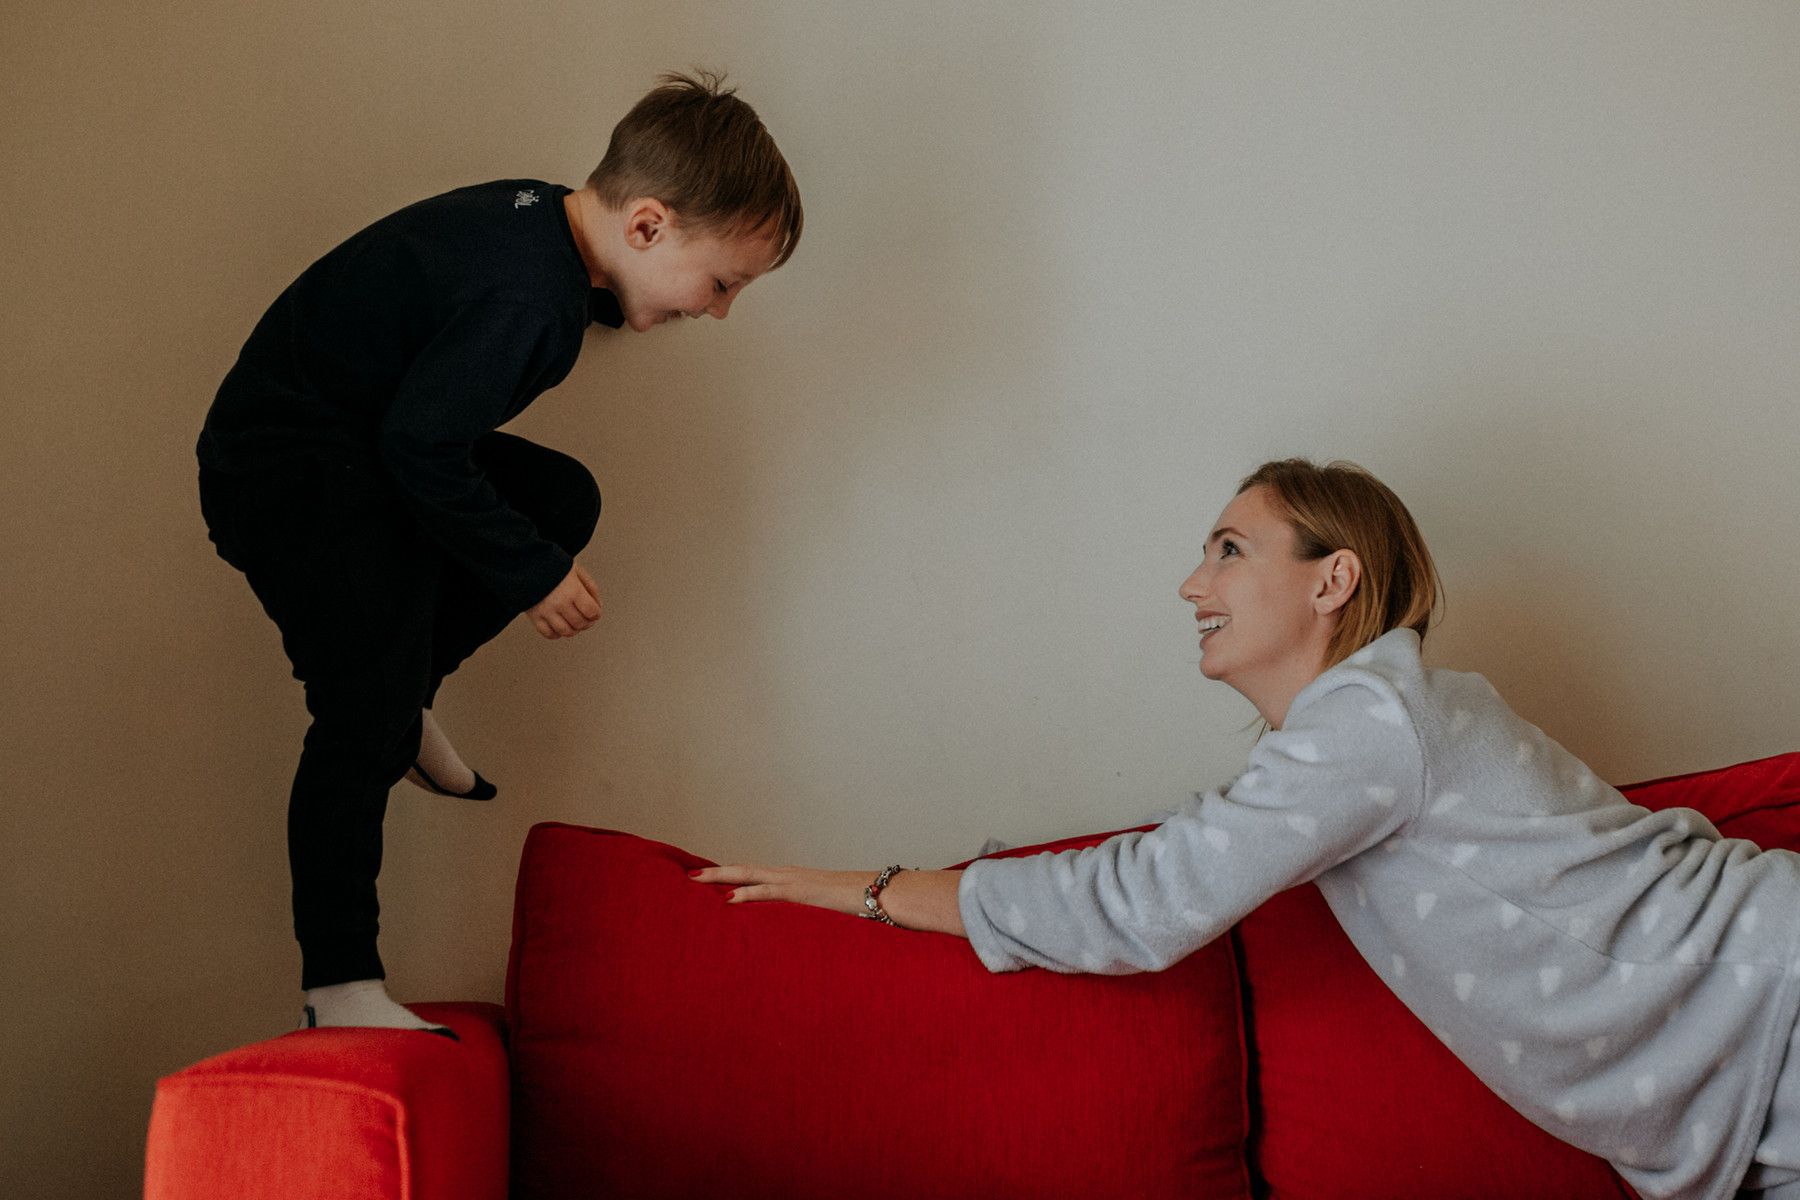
x: 719, y: 286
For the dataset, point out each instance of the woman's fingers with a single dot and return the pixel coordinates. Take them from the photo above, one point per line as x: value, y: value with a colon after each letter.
x: 733, y: 873
x: 758, y: 883
x: 750, y: 892
x: 839, y: 890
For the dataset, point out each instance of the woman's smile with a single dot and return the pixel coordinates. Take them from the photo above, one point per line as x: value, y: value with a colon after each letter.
x: 1282, y: 608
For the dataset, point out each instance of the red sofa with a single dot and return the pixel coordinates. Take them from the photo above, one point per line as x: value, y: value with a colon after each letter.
x: 658, y: 1043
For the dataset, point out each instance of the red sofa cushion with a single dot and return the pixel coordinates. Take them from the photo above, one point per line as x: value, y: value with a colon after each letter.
x: 1353, y: 1098
x: 1757, y: 801
x: 665, y: 1044
x: 379, y: 1114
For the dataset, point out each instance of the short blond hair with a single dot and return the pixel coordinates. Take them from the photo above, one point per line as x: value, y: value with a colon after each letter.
x: 692, y: 144
x: 1340, y: 506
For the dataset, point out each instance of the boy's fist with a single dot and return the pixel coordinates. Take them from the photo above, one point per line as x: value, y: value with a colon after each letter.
x: 572, y: 606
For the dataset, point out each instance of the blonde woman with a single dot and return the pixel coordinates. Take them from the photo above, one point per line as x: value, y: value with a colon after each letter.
x: 1626, y: 979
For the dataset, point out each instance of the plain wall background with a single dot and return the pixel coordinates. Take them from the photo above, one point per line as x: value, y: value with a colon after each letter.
x: 889, y: 557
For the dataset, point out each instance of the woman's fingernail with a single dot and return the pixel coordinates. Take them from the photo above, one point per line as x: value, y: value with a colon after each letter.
x: 731, y: 895
x: 693, y: 874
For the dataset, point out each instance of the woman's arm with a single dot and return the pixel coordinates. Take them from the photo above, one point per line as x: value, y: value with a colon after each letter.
x: 924, y: 900
x: 1339, y: 778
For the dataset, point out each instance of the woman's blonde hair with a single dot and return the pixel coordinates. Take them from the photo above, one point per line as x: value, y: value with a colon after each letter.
x: 1340, y: 506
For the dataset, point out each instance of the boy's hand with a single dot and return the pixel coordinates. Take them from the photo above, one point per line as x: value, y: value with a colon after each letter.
x: 572, y: 606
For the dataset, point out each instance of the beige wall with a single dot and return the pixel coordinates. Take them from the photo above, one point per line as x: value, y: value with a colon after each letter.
x: 890, y: 557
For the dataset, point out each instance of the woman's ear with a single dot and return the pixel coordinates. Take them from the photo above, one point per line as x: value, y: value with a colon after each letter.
x: 1340, y: 572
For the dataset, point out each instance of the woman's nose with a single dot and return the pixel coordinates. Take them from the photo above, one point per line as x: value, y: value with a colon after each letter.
x: 1195, y: 587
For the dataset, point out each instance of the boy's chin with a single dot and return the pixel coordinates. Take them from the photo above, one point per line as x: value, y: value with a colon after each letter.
x: 645, y: 322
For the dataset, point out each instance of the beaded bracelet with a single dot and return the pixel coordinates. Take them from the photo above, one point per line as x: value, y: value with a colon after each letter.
x: 872, y: 896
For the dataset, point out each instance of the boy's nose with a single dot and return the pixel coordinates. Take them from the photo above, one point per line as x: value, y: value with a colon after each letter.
x: 722, y: 305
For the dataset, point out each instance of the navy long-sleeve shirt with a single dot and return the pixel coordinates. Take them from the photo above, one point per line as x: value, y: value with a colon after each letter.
x: 418, y: 335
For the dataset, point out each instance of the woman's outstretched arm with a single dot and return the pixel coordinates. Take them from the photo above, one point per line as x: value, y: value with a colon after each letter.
x: 925, y: 900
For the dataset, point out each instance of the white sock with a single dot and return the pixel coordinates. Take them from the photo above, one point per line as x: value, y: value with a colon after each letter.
x: 439, y: 758
x: 363, y: 1003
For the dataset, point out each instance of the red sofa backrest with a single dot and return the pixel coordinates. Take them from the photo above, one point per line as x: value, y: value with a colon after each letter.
x: 1354, y: 1099
x: 665, y: 1044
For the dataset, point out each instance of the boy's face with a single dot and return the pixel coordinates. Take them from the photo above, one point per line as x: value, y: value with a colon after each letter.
x: 668, y: 270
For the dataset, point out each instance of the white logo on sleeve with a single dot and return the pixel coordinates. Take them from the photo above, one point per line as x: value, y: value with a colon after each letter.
x: 524, y: 198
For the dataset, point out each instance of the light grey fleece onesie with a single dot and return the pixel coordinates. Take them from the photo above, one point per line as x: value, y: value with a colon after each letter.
x: 1623, y: 978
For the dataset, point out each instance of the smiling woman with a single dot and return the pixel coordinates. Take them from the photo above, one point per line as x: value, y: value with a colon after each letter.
x: 1600, y: 966
x: 1318, y: 562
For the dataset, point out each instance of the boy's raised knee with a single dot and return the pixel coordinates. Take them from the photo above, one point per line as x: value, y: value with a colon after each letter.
x: 572, y: 526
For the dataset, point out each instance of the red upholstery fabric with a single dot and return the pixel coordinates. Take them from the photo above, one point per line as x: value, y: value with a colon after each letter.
x: 322, y: 1114
x: 668, y: 1045
x: 1353, y: 1098
x: 1758, y: 801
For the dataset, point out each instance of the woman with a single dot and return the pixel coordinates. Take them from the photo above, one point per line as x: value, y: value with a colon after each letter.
x: 1626, y: 979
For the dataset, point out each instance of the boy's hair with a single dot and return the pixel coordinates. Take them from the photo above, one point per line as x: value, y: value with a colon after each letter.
x: 1340, y: 506
x: 692, y: 144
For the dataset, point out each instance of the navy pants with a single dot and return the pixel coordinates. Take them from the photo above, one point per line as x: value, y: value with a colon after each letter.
x: 373, y: 616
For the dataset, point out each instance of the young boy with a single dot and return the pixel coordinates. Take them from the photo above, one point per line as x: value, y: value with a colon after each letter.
x: 350, y: 467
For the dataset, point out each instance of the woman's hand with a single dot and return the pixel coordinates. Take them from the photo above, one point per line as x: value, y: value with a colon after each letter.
x: 841, y: 891
x: 914, y: 899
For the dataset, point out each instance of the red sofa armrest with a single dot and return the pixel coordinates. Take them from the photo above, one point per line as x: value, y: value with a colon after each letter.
x: 376, y: 1113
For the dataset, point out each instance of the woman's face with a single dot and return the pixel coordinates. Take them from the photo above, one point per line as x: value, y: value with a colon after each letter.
x: 1265, y: 615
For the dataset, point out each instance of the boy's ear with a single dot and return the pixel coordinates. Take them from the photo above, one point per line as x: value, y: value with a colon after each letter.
x: 647, y: 221
x: 1341, y: 571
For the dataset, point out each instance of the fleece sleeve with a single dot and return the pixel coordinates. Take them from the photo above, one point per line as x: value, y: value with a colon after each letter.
x: 463, y: 385
x: 1335, y: 781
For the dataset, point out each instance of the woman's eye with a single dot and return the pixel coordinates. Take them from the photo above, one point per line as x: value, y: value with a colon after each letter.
x: 1227, y: 547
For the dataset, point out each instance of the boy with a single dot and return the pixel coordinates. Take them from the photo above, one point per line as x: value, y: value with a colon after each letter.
x: 350, y: 467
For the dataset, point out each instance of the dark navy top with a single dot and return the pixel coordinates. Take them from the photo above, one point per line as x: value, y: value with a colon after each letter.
x: 418, y: 335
